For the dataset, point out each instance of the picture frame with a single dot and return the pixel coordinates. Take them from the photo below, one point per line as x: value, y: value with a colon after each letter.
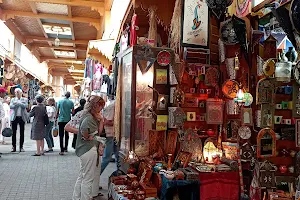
x: 162, y: 122
x: 246, y: 116
x: 195, y: 24
x: 267, y: 116
x: 162, y: 103
x: 184, y: 157
x: 191, y: 116
x: 266, y: 143
x: 161, y: 76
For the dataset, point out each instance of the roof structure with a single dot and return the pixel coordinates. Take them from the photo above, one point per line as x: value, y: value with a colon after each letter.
x: 57, y: 31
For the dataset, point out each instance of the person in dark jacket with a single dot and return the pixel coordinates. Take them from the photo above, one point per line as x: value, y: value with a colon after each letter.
x: 80, y: 108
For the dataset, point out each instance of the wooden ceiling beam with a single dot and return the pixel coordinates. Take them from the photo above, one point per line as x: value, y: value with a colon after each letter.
x: 46, y: 58
x: 68, y: 48
x: 56, y: 24
x: 37, y: 38
x: 94, y: 5
x: 11, y: 14
x: 64, y: 64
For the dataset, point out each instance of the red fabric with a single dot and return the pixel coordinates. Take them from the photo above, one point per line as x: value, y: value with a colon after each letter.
x: 133, y: 36
x: 219, y: 186
x: 2, y: 90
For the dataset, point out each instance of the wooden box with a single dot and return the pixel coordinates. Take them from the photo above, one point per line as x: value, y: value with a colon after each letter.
x: 190, y: 174
x: 150, y: 189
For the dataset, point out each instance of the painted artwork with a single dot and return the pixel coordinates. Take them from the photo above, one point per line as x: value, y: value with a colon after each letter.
x: 162, y: 122
x: 195, y: 27
x: 161, y: 76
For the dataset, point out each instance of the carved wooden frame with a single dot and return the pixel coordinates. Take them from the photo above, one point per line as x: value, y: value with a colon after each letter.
x: 260, y: 135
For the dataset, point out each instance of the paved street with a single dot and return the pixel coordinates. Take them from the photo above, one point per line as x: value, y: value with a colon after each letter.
x: 49, y: 177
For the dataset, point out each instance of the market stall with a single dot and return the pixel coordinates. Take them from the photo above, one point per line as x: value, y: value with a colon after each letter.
x: 217, y: 111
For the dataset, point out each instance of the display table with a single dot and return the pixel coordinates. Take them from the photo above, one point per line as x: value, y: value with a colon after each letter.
x: 219, y: 185
x: 112, y: 193
x: 187, y: 190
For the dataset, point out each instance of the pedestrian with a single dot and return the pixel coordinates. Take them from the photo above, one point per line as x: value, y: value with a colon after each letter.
x: 6, y: 120
x: 38, y: 130
x: 18, y: 116
x: 86, y: 149
x: 2, y: 113
x: 65, y: 108
x: 79, y: 108
x: 111, y: 146
x: 51, y: 111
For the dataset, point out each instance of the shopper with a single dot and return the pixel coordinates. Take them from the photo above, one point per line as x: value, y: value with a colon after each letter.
x: 51, y: 111
x: 65, y: 108
x: 6, y: 120
x: 86, y: 148
x: 2, y: 113
x: 18, y: 116
x: 38, y: 131
x: 79, y: 108
x: 111, y: 146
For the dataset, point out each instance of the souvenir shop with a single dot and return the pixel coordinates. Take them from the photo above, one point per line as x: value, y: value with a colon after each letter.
x: 208, y: 100
x: 98, y: 73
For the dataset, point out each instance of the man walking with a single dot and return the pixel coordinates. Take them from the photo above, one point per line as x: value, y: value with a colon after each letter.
x: 19, y: 116
x: 2, y: 113
x: 65, y: 108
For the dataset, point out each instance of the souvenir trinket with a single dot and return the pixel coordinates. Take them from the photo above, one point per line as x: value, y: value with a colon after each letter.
x: 242, y: 7
x: 260, y: 64
x: 248, y: 99
x: 244, y: 132
x: 214, y: 111
x: 171, y: 118
x: 246, y: 116
x: 190, y: 102
x: 270, y: 47
x: 291, y: 169
x: 144, y: 58
x: 157, y: 141
x: 171, y: 142
x: 296, y: 100
x: 209, y: 150
x: 231, y: 72
x: 265, y: 91
x: 267, y: 175
x: 277, y: 119
x: 232, y: 108
x: 190, y: 174
x: 267, y: 113
x: 293, y: 153
x: 179, y: 96
x: 236, y: 62
x: 297, y: 72
x: 172, y: 76
x: 179, y: 116
x: 269, y: 67
x: 212, y: 76
x: 230, y: 88
x: 247, y: 152
x: 192, y: 143
x: 232, y: 130
x: 283, y: 169
x: 164, y: 58
x: 191, y: 116
x: 266, y: 143
x: 288, y: 133
x: 184, y: 158
x: 283, y: 71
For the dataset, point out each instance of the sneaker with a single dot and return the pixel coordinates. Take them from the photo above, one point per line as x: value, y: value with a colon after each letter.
x: 13, y: 149
x: 22, y: 150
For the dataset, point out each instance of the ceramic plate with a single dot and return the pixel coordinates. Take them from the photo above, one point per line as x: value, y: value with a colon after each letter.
x: 297, y: 72
x: 244, y: 132
x: 164, y: 58
x: 269, y: 67
x: 230, y: 88
x: 249, y: 99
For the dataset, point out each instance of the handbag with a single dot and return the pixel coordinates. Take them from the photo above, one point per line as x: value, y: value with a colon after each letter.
x: 7, y: 132
x: 46, y: 118
x: 55, y: 130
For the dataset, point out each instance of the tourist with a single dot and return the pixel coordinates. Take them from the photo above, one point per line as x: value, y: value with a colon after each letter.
x: 65, y: 108
x: 111, y: 146
x: 51, y: 111
x: 6, y: 120
x: 19, y: 116
x: 38, y: 131
x: 86, y: 148
x: 79, y: 108
x: 2, y: 113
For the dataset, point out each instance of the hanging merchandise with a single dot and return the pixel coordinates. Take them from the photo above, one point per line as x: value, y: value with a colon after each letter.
x: 10, y: 71
x: 239, y: 26
x: 133, y: 29
x: 231, y: 72
x: 152, y: 34
x: 292, y: 55
x: 243, y: 7
x: 164, y: 58
x: 175, y: 30
x: 217, y: 7
x: 227, y: 32
x: 265, y: 91
x: 97, y: 76
x: 214, y: 111
x: 283, y: 71
x: 230, y: 88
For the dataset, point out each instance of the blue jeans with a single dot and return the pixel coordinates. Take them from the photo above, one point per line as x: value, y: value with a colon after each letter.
x: 111, y: 147
x: 49, y: 138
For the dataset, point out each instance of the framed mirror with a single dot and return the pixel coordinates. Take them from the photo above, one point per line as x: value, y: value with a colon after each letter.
x: 266, y: 143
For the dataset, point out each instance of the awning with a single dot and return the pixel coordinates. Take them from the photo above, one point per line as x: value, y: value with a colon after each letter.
x: 105, y: 47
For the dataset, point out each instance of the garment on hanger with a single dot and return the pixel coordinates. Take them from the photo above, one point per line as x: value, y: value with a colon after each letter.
x: 97, y: 80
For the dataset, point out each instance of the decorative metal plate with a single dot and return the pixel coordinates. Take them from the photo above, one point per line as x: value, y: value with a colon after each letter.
x: 230, y: 88
x: 244, y: 132
x: 297, y: 73
x: 269, y: 67
x: 164, y: 58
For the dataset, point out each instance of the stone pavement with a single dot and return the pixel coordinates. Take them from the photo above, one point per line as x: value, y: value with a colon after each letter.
x: 49, y: 177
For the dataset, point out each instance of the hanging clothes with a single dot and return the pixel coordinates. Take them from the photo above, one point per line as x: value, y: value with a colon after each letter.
x: 97, y: 81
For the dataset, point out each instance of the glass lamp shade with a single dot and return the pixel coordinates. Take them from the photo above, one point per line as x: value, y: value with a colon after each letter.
x: 209, y: 151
